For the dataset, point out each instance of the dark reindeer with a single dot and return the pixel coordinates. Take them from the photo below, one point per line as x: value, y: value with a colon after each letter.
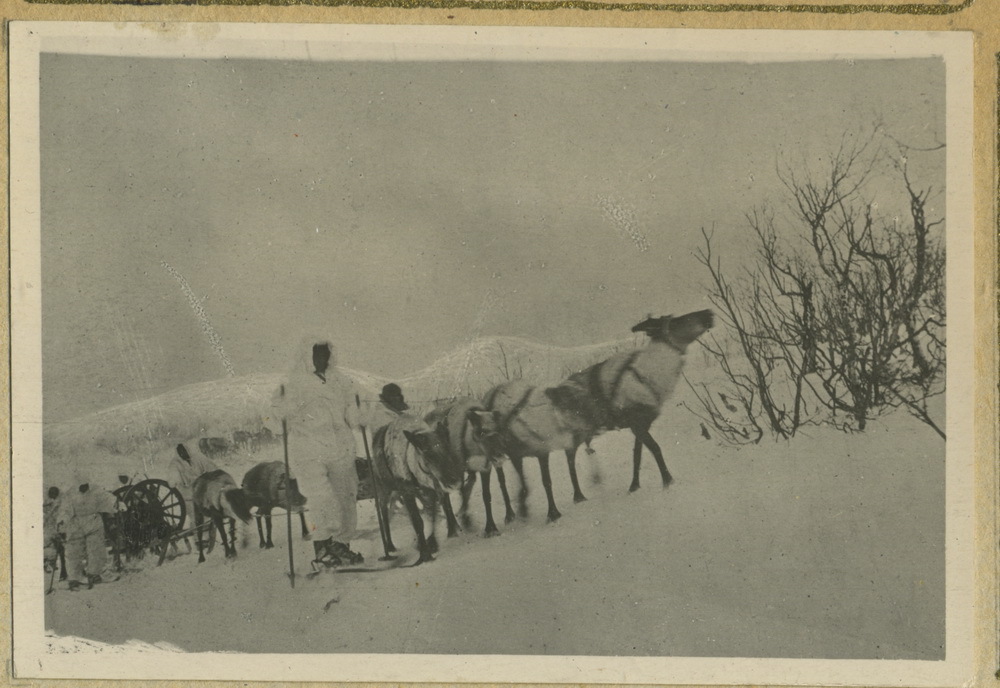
x: 251, y: 442
x: 214, y: 446
x: 412, y: 461
x: 215, y: 495
x: 629, y: 389
x: 266, y: 486
x: 472, y: 435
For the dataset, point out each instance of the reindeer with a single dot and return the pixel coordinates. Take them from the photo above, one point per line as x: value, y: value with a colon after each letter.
x: 245, y: 441
x: 215, y: 494
x: 629, y: 389
x: 411, y: 460
x: 624, y: 391
x: 471, y: 433
x: 214, y: 446
x: 530, y: 425
x: 266, y: 486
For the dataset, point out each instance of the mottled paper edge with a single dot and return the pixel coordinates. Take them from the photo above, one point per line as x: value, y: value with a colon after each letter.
x: 981, y: 19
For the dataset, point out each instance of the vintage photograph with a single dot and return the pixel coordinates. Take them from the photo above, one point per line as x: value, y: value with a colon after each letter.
x: 490, y: 353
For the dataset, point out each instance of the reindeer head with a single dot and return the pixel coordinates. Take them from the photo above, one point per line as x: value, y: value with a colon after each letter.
x: 486, y: 432
x: 436, y: 458
x: 679, y: 331
x: 288, y: 492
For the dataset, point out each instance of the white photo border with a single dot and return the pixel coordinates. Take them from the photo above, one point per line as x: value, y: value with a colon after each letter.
x: 28, y: 40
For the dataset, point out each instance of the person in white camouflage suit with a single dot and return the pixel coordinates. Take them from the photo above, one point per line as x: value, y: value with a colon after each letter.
x: 319, y: 406
x: 86, y: 552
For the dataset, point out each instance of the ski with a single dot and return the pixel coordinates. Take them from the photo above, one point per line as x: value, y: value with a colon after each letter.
x: 97, y: 580
x: 396, y: 563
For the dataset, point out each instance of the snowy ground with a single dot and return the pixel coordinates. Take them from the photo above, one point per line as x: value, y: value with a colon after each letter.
x: 830, y: 546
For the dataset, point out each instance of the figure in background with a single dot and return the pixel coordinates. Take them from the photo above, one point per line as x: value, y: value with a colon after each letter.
x: 391, y: 407
x: 184, y: 470
x: 54, y: 550
x: 392, y: 398
x: 86, y: 551
x: 319, y: 406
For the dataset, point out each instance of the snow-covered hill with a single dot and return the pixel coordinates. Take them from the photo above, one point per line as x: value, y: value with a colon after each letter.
x: 138, y: 438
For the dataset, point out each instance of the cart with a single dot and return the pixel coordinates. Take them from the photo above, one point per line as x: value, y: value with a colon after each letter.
x: 150, y: 518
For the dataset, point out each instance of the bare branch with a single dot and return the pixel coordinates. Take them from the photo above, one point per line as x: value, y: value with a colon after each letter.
x: 846, y: 324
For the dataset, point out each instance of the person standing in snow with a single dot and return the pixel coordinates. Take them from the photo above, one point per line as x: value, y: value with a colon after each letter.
x: 53, y: 547
x: 318, y: 404
x: 392, y: 405
x: 86, y: 553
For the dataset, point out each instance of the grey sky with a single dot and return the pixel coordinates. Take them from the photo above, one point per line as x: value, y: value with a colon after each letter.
x: 404, y: 207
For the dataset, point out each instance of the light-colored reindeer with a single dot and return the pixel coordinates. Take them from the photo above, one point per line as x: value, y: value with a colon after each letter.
x: 626, y: 390
x: 411, y: 460
x: 472, y: 435
x: 216, y: 496
x: 629, y: 389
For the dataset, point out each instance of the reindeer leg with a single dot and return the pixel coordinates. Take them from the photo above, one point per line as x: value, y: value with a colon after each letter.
x: 571, y: 462
x: 199, y: 522
x: 491, y: 526
x: 418, y: 528
x: 432, y: 510
x: 269, y: 544
x: 220, y: 524
x: 232, y: 535
x: 522, y: 496
x: 636, y: 461
x: 543, y: 463
x: 305, y: 528
x: 260, y: 530
x: 210, y: 527
x: 651, y: 444
x: 449, y: 514
x: 502, y: 479
x: 470, y: 482
x: 384, y: 508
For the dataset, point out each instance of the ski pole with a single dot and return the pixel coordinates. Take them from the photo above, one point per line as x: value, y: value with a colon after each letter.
x: 375, y: 489
x: 288, y: 495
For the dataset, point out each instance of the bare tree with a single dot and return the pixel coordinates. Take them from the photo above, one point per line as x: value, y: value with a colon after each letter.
x: 839, y: 316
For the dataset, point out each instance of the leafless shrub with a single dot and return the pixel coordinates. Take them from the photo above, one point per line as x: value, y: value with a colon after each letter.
x: 839, y: 316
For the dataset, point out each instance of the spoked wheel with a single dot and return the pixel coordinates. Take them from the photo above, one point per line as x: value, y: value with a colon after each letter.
x: 157, y: 498
x: 154, y: 512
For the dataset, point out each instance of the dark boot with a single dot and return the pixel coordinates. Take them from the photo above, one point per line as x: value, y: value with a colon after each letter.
x: 323, y: 550
x: 319, y: 547
x: 341, y: 550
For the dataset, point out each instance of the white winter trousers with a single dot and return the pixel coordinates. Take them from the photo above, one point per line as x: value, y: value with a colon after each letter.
x: 86, y: 554
x: 331, y: 486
